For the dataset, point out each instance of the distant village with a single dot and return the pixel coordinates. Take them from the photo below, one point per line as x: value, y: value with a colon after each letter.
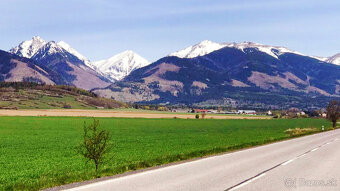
x: 276, y: 113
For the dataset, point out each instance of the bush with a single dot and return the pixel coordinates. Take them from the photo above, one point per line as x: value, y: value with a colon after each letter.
x: 66, y: 106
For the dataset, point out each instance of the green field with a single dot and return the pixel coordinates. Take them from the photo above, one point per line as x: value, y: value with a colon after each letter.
x: 38, y: 152
x: 46, y: 102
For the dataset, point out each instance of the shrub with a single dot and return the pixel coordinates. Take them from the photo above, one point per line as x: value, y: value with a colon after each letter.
x: 67, y: 106
x: 95, y: 144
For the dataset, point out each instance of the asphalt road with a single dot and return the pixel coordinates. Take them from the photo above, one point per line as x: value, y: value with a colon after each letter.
x: 306, y: 163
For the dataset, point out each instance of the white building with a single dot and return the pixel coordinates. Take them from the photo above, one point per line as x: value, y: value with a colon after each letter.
x: 248, y: 112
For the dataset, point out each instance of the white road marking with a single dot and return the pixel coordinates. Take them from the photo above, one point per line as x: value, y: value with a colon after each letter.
x: 247, y: 182
x: 287, y: 162
x: 302, y: 155
x: 258, y: 177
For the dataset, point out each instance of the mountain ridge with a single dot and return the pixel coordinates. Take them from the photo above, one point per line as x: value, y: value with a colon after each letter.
x: 206, y: 46
x: 231, y: 73
x: 244, y: 73
x: 109, y: 69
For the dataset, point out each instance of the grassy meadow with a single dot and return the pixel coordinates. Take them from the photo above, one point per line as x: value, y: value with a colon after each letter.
x: 38, y: 152
x: 25, y: 95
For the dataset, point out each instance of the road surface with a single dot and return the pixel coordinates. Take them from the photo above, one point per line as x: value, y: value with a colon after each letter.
x: 306, y: 163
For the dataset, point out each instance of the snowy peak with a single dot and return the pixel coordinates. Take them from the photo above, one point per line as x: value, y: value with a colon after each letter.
x: 49, y: 49
x: 331, y: 60
x: 206, y: 47
x: 28, y: 48
x: 200, y: 49
x: 120, y: 65
x: 38, y: 47
x: 334, y: 59
x: 273, y: 51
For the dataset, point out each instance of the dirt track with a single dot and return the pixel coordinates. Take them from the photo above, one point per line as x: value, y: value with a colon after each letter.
x: 113, y: 113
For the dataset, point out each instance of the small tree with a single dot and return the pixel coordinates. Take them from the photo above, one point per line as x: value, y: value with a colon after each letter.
x: 95, y: 143
x: 333, y: 112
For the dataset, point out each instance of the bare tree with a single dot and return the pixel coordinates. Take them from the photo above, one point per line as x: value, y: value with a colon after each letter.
x: 333, y: 112
x: 95, y: 144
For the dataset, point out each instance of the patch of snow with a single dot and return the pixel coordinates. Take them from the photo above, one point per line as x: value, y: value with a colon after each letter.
x: 323, y: 59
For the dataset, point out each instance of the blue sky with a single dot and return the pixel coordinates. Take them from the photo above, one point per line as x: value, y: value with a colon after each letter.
x: 154, y: 28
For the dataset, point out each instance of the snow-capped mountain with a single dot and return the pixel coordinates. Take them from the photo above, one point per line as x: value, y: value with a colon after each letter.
x: 334, y: 59
x: 63, y: 63
x: 205, y: 47
x: 273, y: 51
x: 48, y: 49
x: 200, y: 49
x: 28, y: 48
x: 248, y: 73
x: 68, y: 68
x: 113, y: 69
x: 120, y: 65
x: 71, y: 50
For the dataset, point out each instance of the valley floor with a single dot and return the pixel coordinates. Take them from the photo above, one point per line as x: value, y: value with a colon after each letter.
x: 38, y: 152
x: 121, y: 113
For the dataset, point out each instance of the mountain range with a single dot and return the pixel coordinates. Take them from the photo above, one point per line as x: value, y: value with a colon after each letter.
x: 74, y: 68
x: 231, y: 74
